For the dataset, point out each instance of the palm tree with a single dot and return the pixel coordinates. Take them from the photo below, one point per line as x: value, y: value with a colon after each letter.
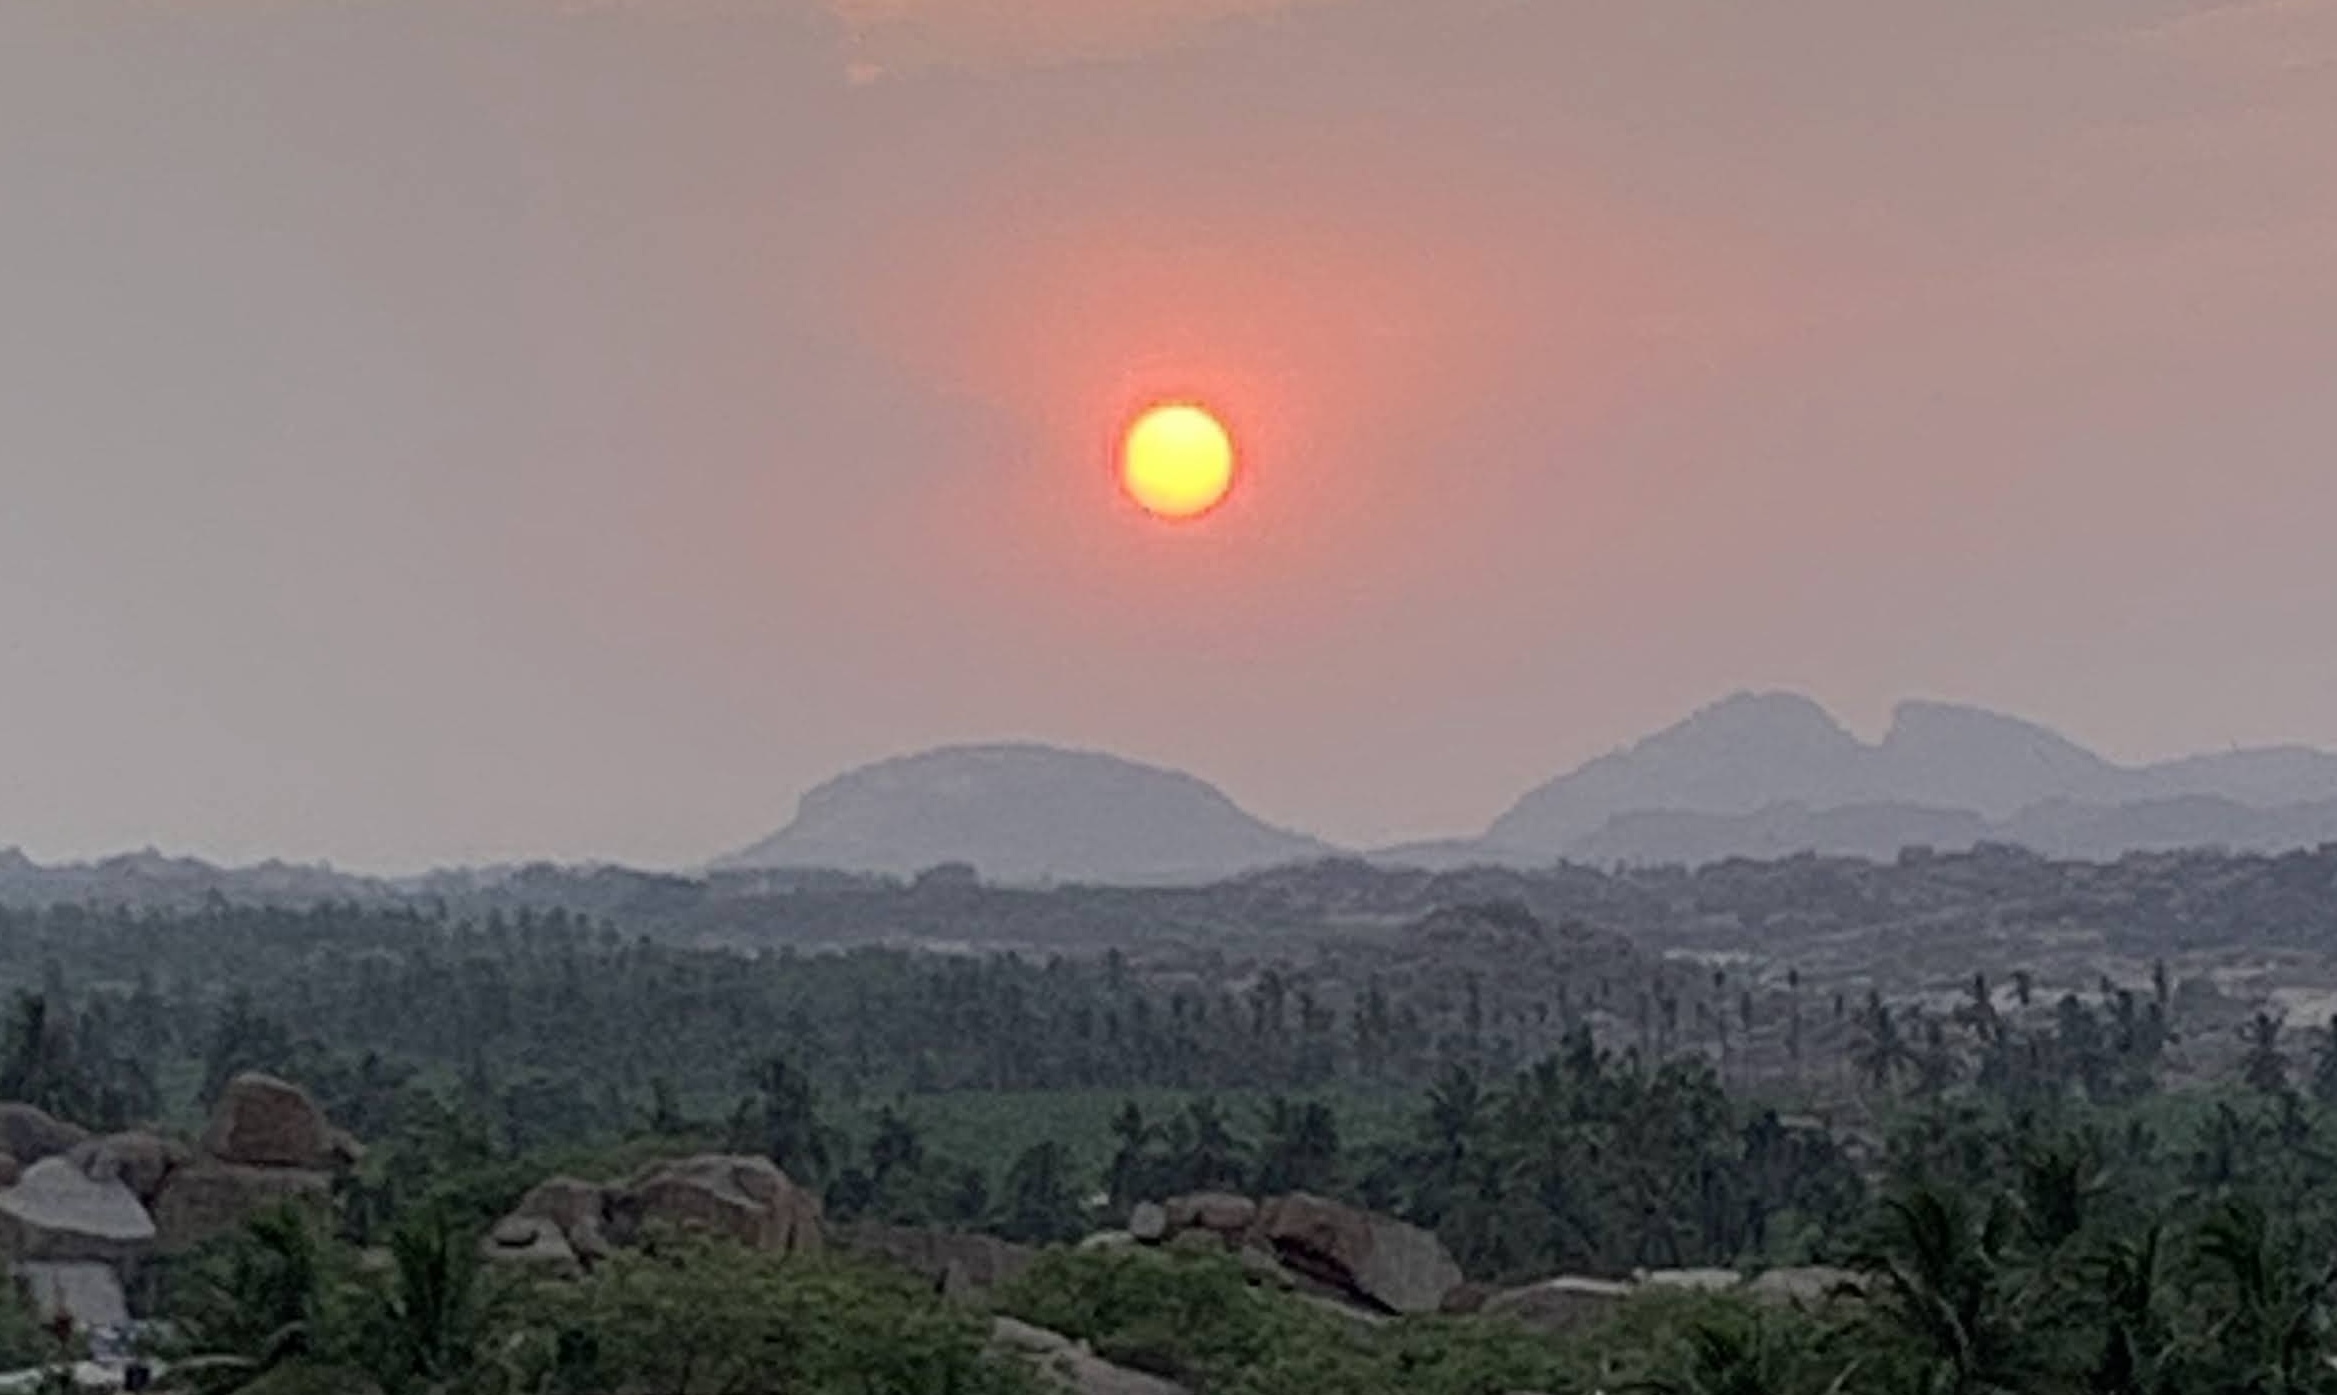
x: 791, y: 1131
x: 1040, y: 1208
x: 2226, y: 1142
x: 1133, y: 1166
x: 1299, y: 1151
x: 1449, y: 1129
x: 39, y: 1068
x: 897, y: 1146
x: 1880, y: 1051
x: 1754, y: 1356
x: 1210, y: 1156
x: 1939, y: 1276
x: 2325, y: 1064
x: 2137, y: 1349
x: 2272, y: 1339
x: 2264, y: 1067
x: 254, y: 1304
x: 1456, y: 1108
x: 432, y: 1311
x: 2057, y: 1183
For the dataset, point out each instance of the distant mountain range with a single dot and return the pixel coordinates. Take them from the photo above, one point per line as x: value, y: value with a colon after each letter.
x: 1764, y: 774
x: 1757, y: 775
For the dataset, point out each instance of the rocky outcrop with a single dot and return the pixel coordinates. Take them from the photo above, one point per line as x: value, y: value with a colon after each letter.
x: 1689, y: 1280
x: 143, y: 1162
x: 56, y: 1212
x: 1398, y: 1267
x: 1148, y: 1222
x: 268, y: 1145
x: 957, y: 1264
x: 579, y: 1210
x: 1261, y: 1268
x: 88, y: 1295
x: 261, y: 1121
x: 567, y: 1224
x: 119, y: 1197
x: 1356, y: 1315
x: 1807, y: 1286
x: 1069, y: 1366
x: 534, y: 1241
x: 207, y: 1199
x: 1571, y: 1302
x: 746, y: 1199
x: 1565, y: 1304
x: 1212, y: 1211
x: 1372, y: 1264
x: 28, y: 1134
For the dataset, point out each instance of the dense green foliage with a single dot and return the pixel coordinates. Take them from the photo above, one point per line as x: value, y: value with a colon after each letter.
x: 24, y: 1339
x: 688, y: 1318
x: 2031, y: 1209
x: 464, y: 1048
x: 279, y: 1308
x: 576, y: 1028
x: 1195, y: 1320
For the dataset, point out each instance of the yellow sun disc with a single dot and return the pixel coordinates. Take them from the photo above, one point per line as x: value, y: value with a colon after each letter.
x: 1177, y: 461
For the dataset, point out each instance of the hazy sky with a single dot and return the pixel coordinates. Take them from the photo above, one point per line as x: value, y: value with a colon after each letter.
x: 461, y: 429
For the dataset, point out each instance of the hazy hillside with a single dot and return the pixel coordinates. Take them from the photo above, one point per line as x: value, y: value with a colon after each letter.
x: 1760, y: 774
x: 1734, y: 757
x: 2066, y: 829
x: 1026, y: 813
x: 1755, y: 775
x: 153, y: 880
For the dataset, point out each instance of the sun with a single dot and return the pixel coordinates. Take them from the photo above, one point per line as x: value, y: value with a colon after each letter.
x: 1178, y: 461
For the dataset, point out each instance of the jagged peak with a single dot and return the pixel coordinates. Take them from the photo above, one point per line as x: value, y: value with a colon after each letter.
x: 1772, y: 712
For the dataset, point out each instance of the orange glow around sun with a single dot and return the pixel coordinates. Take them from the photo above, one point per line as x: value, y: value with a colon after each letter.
x: 1178, y: 461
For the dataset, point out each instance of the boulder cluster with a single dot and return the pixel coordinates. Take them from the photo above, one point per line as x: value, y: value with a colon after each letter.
x: 1569, y: 1302
x: 119, y: 1198
x: 565, y: 1225
x: 1072, y: 1367
x: 76, y: 1208
x: 957, y: 1263
x: 1373, y: 1265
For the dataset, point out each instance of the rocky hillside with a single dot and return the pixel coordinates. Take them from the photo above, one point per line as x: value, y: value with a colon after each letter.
x: 1022, y: 813
x: 1770, y: 774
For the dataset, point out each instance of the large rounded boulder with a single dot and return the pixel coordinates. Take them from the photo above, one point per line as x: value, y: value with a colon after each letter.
x: 55, y: 1211
x: 1397, y: 1267
x: 261, y: 1121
